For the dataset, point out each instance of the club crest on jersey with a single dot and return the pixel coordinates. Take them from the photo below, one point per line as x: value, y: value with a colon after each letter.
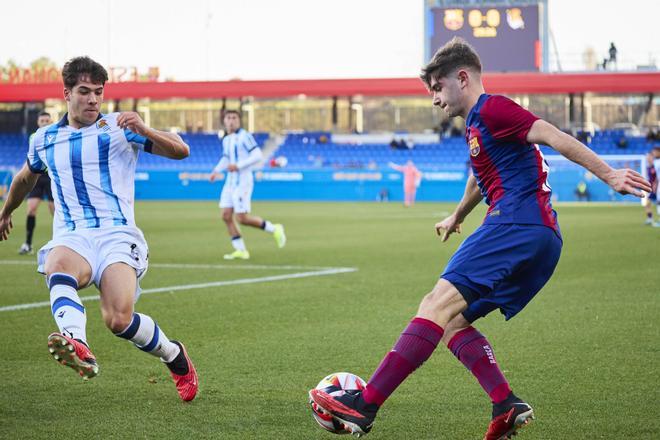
x: 475, y: 148
x: 103, y: 125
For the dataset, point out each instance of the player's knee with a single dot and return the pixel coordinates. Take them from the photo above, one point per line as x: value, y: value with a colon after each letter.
x: 436, y: 307
x: 117, y: 321
x: 242, y: 219
x: 227, y: 217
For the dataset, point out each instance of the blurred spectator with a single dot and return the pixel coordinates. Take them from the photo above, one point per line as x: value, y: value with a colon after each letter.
x: 653, y: 135
x: 583, y: 136
x: 582, y: 192
x: 398, y: 144
x: 622, y: 142
x: 383, y: 195
x: 613, y: 52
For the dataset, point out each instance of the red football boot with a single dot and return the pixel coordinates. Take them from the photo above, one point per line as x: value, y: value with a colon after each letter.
x: 504, y: 426
x: 186, y: 384
x: 74, y: 354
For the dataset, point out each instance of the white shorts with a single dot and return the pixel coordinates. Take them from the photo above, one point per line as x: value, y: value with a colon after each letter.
x: 237, y: 197
x: 103, y: 247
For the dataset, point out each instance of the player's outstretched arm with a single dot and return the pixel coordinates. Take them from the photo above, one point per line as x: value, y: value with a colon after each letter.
x: 21, y: 185
x: 623, y: 181
x: 395, y: 166
x: 253, y: 158
x: 471, y: 198
x: 165, y: 144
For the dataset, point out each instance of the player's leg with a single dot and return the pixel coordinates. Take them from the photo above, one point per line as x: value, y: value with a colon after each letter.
x: 277, y: 230
x: 118, y: 287
x: 648, y: 209
x: 67, y: 271
x: 537, y: 251
x: 242, y: 208
x: 30, y: 224
x: 240, y: 251
x: 415, y: 345
x: 474, y: 351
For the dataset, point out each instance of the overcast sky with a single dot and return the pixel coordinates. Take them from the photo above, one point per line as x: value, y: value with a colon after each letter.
x: 290, y: 39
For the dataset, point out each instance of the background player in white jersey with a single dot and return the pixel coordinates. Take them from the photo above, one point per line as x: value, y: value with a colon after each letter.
x: 91, y: 160
x: 41, y: 191
x: 240, y: 153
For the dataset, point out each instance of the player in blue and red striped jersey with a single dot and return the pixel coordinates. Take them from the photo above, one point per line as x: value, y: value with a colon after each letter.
x: 652, y: 197
x: 504, y: 263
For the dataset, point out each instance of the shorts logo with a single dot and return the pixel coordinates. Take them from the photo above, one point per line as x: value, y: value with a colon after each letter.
x: 134, y: 252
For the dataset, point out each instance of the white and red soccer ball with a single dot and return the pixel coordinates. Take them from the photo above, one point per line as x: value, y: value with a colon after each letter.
x: 335, y: 384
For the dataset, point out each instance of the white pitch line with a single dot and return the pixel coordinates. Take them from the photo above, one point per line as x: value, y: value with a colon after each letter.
x: 328, y: 271
x: 197, y: 266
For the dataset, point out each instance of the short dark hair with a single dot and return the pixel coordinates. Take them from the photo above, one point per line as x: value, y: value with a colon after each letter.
x: 232, y: 112
x: 80, y: 66
x: 456, y: 54
x: 43, y: 113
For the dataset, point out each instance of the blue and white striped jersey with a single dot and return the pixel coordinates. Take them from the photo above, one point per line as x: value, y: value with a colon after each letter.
x: 92, y: 171
x: 241, y: 149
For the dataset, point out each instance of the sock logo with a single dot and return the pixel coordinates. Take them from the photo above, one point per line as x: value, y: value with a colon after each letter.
x: 489, y: 353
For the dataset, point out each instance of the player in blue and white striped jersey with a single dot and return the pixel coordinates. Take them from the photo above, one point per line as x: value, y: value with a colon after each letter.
x: 91, y: 160
x: 240, y: 153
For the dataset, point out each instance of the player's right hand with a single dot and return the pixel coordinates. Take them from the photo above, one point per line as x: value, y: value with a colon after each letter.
x: 212, y: 177
x: 5, y: 227
x: 626, y: 181
x: 447, y: 227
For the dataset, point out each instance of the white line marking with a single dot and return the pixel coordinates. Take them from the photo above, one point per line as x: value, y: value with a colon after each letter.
x: 327, y: 271
x: 196, y: 266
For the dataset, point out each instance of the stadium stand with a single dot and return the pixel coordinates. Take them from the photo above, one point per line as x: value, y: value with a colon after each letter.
x: 316, y: 150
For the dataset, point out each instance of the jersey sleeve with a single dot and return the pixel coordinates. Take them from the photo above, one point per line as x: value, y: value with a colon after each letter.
x: 506, y: 120
x: 34, y: 162
x: 249, y: 142
x: 138, y: 141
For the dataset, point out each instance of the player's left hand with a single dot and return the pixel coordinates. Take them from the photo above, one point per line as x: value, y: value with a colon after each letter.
x: 626, y: 181
x: 447, y: 227
x: 133, y: 122
x: 232, y: 167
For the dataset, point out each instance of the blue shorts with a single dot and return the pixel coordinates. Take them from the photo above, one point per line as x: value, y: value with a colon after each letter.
x: 503, y: 266
x: 653, y: 196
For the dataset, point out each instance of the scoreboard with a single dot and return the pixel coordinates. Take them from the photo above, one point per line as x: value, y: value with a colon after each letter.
x: 508, y: 38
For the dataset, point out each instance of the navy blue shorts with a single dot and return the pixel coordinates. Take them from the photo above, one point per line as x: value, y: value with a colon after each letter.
x: 503, y: 266
x: 653, y: 196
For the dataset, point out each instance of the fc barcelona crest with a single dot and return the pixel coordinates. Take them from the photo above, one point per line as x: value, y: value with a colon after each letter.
x: 475, y: 148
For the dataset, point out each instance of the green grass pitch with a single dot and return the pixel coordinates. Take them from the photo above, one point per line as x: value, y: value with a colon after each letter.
x: 585, y: 353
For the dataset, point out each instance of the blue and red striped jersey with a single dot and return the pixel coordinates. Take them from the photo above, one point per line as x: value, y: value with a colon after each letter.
x: 512, y: 173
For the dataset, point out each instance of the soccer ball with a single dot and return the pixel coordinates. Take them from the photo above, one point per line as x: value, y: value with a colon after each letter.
x: 335, y: 384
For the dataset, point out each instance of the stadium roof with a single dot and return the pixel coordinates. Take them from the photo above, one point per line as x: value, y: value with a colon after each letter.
x: 504, y: 83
